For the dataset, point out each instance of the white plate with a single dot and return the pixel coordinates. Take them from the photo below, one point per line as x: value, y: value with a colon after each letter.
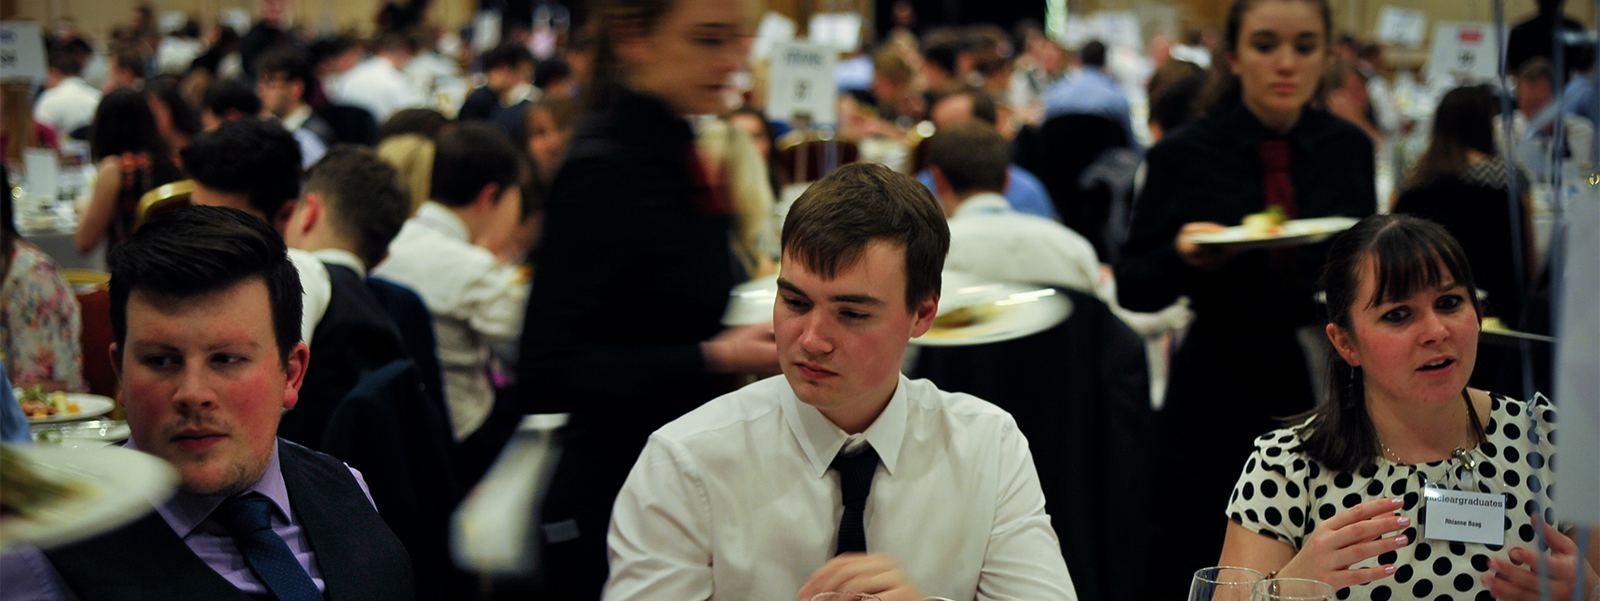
x: 117, y: 486
x: 89, y: 405
x: 1006, y: 311
x: 83, y: 434
x: 751, y: 303
x: 1294, y: 233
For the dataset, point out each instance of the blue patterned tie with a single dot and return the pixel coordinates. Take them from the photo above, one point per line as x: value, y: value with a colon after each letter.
x: 855, y: 483
x: 249, y: 519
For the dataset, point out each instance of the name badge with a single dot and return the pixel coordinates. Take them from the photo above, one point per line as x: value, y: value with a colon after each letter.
x: 1468, y: 517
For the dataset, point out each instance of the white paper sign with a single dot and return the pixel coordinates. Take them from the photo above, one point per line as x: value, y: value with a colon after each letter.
x: 840, y: 31
x: 42, y: 172
x: 775, y: 29
x: 1401, y: 27
x: 21, y: 52
x: 1118, y: 29
x: 1469, y: 517
x: 1576, y: 380
x: 801, y: 81
x: 1464, y: 53
x: 237, y: 18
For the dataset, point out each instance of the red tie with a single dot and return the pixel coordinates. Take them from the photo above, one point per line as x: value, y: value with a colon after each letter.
x: 709, y: 196
x: 1279, y: 192
x: 1275, y: 184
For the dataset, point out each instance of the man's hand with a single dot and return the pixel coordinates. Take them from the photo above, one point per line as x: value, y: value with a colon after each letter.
x: 876, y: 574
x: 742, y: 350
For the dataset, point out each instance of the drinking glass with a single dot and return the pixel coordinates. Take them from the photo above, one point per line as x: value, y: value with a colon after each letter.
x: 1293, y: 589
x: 842, y: 596
x: 1224, y: 583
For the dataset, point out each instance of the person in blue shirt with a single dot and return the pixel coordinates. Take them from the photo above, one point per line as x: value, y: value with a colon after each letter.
x: 1024, y: 191
x: 13, y: 424
x: 1091, y: 91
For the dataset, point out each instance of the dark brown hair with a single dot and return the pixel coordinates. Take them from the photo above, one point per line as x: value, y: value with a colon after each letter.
x: 1464, y: 121
x: 1408, y: 254
x: 608, y: 17
x: 831, y: 224
x: 972, y: 156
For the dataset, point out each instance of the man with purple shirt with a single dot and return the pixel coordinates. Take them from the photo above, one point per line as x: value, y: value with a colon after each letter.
x: 205, y: 311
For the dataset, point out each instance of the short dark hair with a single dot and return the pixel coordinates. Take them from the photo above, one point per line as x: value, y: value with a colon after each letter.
x: 829, y: 227
x: 132, y: 60
x: 226, y: 95
x: 943, y: 55
x: 66, y: 62
x: 167, y: 89
x: 1536, y: 68
x: 293, y: 64
x: 1409, y: 254
x: 469, y: 157
x: 251, y: 156
x: 509, y: 54
x: 983, y: 106
x: 1093, y: 54
x: 972, y: 156
x: 200, y: 250
x: 420, y: 121
x: 365, y: 203
x: 549, y: 71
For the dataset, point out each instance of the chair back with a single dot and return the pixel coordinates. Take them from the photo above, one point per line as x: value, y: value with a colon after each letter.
x: 1064, y: 148
x: 808, y: 156
x: 93, y: 289
x: 351, y: 124
x: 161, y: 199
x: 1080, y: 393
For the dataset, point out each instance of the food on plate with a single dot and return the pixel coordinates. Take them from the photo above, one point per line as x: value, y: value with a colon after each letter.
x: 957, y: 318
x: 27, y: 489
x: 1493, y: 323
x: 37, y: 404
x: 1265, y: 223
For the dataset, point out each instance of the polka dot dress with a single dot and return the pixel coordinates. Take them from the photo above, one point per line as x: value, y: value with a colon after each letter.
x: 1284, y: 495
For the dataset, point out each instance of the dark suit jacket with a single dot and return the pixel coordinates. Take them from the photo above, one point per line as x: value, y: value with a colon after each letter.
x: 409, y: 314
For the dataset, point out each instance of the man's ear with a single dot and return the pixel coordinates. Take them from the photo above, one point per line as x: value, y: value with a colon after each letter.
x: 310, y: 210
x: 488, y: 197
x: 116, y: 366
x: 925, y: 312
x: 294, y: 369
x: 280, y: 221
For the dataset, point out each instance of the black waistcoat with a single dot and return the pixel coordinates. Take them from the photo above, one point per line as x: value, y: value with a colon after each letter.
x: 360, y: 558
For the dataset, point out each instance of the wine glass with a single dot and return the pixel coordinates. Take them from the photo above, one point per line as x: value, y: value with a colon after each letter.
x: 844, y: 596
x: 1293, y: 589
x: 1224, y: 583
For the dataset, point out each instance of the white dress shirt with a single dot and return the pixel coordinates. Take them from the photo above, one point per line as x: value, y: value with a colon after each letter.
x: 376, y: 85
x: 316, y: 291
x: 474, y: 299
x: 67, y: 106
x: 990, y: 240
x: 312, y: 147
x: 1533, y: 147
x: 735, y: 501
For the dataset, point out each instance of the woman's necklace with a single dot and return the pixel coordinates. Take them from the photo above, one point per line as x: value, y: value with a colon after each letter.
x: 1457, y: 453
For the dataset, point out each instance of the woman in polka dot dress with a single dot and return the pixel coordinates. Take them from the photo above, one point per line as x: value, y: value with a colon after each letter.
x: 1336, y: 496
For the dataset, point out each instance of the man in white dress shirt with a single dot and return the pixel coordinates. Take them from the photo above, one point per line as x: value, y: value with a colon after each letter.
x: 67, y: 103
x: 477, y: 302
x: 936, y: 493
x: 379, y: 85
x: 988, y: 238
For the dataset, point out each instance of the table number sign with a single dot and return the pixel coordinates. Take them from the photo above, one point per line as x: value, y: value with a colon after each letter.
x: 1464, y: 53
x: 21, y: 52
x: 802, y: 82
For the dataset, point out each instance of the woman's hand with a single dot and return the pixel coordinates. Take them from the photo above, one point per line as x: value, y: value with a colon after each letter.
x: 1348, y: 538
x: 1507, y: 581
x: 1199, y: 256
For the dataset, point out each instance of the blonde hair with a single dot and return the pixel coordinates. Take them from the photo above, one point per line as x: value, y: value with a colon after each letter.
x: 412, y: 156
x: 744, y: 178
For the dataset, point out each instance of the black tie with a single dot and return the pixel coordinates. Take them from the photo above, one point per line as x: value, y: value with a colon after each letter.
x: 248, y: 519
x: 855, y: 483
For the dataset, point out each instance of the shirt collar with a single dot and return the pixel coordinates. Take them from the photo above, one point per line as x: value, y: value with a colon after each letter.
x: 296, y: 118
x: 821, y: 440
x: 440, y: 218
x: 184, y: 512
x: 342, y: 257
x: 982, y: 203
x: 1250, y: 133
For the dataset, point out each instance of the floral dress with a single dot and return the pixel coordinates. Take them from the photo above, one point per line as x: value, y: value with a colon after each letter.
x: 39, y: 322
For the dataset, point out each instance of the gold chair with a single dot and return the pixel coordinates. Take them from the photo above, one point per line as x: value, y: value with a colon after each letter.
x: 807, y: 156
x: 163, y: 198
x: 94, y: 302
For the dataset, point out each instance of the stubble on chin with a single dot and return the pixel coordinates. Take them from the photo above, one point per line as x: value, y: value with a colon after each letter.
x: 235, y: 478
